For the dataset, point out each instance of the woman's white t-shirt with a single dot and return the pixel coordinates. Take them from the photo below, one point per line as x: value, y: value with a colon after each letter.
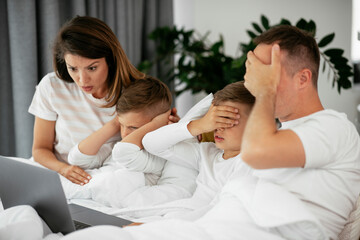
x: 76, y: 113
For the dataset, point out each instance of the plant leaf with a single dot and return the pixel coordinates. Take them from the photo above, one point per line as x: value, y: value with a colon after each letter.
x: 301, y: 24
x: 145, y: 66
x: 311, y: 28
x: 251, y: 34
x: 265, y: 22
x: 237, y: 63
x: 285, y: 22
x: 345, y: 83
x: 326, y: 40
x: 215, y: 48
x: 257, y: 27
x: 324, y: 66
x: 334, y: 52
x: 338, y: 87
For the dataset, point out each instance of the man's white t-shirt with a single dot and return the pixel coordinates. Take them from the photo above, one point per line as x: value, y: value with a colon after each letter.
x: 329, y: 183
x: 77, y: 114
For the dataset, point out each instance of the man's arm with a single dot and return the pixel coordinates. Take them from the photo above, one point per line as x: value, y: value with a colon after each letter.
x: 263, y: 146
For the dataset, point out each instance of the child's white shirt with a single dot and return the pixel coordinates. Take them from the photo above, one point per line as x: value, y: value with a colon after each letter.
x: 171, y: 142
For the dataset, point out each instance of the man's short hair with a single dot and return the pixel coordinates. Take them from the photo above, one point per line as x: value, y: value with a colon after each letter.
x: 234, y: 92
x: 300, y: 46
x: 148, y: 94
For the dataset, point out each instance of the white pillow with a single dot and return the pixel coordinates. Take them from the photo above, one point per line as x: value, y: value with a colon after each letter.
x: 351, y: 230
x: 21, y: 223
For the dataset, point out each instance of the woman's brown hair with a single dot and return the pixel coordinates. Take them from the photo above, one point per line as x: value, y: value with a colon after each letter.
x: 91, y: 38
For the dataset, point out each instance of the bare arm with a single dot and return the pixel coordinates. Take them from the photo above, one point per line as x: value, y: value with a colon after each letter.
x: 263, y: 146
x: 137, y: 136
x: 92, y: 144
x: 43, y: 152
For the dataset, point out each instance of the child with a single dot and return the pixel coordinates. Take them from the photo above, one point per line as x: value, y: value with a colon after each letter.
x: 143, y: 106
x: 215, y: 162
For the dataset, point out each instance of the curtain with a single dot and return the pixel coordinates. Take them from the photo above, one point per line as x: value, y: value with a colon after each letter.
x: 27, y: 29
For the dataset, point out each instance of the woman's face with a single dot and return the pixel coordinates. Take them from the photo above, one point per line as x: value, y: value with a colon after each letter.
x: 89, y: 74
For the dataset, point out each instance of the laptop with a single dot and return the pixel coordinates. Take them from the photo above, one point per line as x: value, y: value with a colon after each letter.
x: 27, y: 184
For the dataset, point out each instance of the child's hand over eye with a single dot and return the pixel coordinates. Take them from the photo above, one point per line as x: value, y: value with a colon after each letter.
x: 217, y: 117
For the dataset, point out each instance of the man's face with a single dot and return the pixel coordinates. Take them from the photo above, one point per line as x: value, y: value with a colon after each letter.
x: 229, y: 139
x: 131, y: 121
x: 286, y: 90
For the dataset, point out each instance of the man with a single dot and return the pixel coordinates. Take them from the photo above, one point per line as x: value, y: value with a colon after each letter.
x: 282, y: 74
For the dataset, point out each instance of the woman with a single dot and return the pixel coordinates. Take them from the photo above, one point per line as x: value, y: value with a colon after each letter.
x: 91, y: 69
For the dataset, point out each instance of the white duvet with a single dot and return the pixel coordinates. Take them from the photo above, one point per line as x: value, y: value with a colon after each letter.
x: 247, y: 209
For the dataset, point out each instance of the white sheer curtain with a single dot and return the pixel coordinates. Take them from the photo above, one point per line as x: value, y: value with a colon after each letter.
x: 27, y: 28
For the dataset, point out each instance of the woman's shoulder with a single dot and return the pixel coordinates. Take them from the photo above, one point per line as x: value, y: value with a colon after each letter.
x: 52, y: 81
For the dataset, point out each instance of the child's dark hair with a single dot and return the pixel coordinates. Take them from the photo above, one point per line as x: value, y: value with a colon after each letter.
x: 148, y: 94
x: 234, y: 92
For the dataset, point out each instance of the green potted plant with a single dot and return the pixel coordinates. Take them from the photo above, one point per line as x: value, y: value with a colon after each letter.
x: 203, y: 66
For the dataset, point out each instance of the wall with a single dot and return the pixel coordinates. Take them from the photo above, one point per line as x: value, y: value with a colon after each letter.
x: 232, y: 18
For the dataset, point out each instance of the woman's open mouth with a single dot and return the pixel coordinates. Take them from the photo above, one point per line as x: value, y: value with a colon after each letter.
x: 87, y: 89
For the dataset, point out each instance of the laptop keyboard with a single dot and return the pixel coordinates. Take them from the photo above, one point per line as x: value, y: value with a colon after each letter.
x: 80, y: 225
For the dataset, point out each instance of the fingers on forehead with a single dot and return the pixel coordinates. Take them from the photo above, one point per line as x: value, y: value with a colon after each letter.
x: 227, y: 108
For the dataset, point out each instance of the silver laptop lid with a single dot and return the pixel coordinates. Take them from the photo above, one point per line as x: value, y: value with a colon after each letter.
x: 26, y: 184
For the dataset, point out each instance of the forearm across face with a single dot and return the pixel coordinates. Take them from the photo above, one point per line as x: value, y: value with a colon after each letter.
x: 92, y: 144
x: 137, y: 136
